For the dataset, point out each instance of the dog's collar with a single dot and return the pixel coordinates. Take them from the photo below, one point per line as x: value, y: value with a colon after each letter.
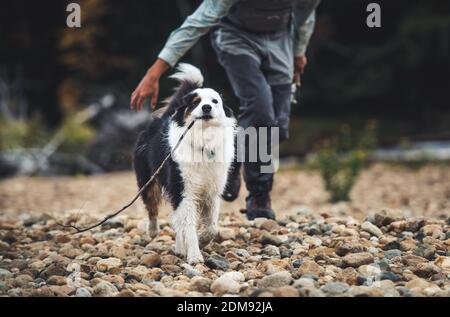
x: 209, y: 153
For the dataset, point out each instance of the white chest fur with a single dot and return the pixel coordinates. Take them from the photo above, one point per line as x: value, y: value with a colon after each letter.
x: 204, y: 157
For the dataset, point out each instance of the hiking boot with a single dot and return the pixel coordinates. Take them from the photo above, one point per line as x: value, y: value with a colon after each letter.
x: 258, y: 206
x: 233, y: 186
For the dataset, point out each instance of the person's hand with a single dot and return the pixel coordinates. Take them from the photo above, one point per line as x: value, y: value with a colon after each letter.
x: 300, y: 63
x: 149, y: 86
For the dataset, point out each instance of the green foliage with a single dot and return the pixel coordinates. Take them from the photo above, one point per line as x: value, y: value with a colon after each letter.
x: 16, y: 134
x: 341, y: 159
x: 72, y: 136
x: 75, y: 136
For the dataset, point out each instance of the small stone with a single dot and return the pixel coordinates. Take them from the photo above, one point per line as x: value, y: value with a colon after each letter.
x: 404, y: 292
x: 444, y: 263
x: 4, y: 274
x: 296, y: 264
x: 383, y: 264
x: 310, y: 267
x: 105, y: 289
x: 54, y: 269
x: 391, y: 245
x: 372, y: 229
x: 387, y: 216
x: 217, y: 262
x: 433, y: 230
x: 425, y: 270
x: 335, y: 288
x: 169, y: 268
x: 88, y: 240
x: 358, y: 259
x: 83, y: 292
x: 312, y: 241
x: 23, y: 281
x: 228, y: 283
x: 285, y: 291
x: 412, y: 260
x: 390, y: 254
x: 119, y: 252
x: 113, y: 223
x: 268, y: 238
x: 418, y: 283
x: 269, y: 225
x: 62, y: 238
x: 348, y: 247
x: 304, y: 282
x: 138, y: 272
x: 169, y: 259
x: 46, y: 291
x: 408, y: 244
x: 227, y: 234
x: 70, y: 252
x: 111, y: 265
x: 151, y: 260
x: 349, y: 275
x: 57, y: 280
x: 200, y: 284
x: 387, y: 275
x: 272, y: 251
x: 125, y: 293
x: 4, y: 246
x: 426, y: 251
x: 275, y: 280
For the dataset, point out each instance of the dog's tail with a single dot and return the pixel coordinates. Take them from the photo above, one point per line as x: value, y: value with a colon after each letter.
x: 188, y: 73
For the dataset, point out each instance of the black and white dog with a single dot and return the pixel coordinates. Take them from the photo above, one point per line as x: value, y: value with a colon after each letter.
x: 194, y: 178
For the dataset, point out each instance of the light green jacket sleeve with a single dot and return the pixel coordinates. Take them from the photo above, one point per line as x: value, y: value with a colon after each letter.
x: 303, y: 35
x: 207, y: 15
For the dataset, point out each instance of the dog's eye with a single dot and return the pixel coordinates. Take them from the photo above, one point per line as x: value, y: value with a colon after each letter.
x: 215, y: 101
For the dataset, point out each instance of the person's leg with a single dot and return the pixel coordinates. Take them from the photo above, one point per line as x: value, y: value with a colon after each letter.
x: 256, y: 111
x: 282, y: 107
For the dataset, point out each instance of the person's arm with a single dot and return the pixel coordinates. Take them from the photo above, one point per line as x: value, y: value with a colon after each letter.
x: 303, y: 35
x: 180, y: 41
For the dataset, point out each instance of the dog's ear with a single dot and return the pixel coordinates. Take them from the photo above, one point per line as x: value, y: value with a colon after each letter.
x: 228, y: 111
x: 189, y: 98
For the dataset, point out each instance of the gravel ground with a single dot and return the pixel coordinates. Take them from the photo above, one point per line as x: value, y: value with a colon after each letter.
x: 392, y: 240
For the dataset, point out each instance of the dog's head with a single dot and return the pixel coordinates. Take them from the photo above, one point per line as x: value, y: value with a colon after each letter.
x: 207, y: 105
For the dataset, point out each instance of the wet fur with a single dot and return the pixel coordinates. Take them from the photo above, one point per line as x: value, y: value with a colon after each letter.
x: 192, y: 188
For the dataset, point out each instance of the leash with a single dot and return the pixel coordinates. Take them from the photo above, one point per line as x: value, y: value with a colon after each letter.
x: 80, y: 230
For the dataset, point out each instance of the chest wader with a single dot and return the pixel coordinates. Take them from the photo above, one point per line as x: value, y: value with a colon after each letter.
x: 254, y: 44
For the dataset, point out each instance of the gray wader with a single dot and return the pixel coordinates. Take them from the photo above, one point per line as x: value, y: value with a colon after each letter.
x: 260, y: 69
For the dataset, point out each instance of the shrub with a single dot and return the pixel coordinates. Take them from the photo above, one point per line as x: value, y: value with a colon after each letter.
x: 340, y: 159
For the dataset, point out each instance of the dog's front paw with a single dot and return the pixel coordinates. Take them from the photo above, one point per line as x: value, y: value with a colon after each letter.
x: 206, y: 237
x: 195, y: 259
x: 152, y: 231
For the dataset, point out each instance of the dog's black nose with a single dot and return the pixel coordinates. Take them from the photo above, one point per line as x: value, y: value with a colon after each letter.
x: 206, y: 108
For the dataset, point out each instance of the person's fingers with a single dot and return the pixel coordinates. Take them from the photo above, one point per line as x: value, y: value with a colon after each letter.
x: 154, y: 98
x: 139, y: 102
x: 133, y: 100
